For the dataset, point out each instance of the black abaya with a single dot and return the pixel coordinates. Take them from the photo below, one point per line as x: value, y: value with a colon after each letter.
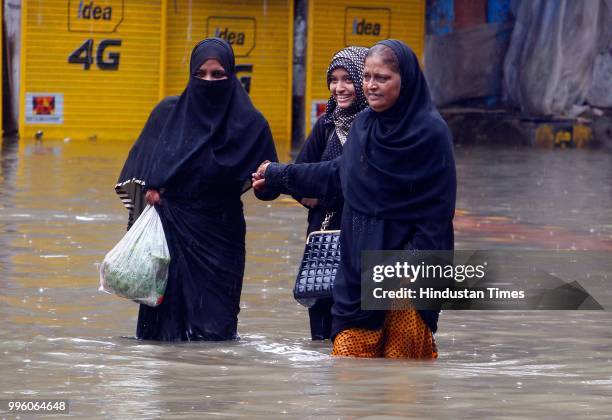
x: 199, y: 151
x: 397, y: 176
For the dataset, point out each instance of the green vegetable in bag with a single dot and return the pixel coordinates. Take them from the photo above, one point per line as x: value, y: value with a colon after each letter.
x: 137, y: 267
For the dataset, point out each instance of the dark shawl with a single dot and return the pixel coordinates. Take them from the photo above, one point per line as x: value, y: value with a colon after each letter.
x: 400, y: 167
x: 402, y: 164
x: 212, y: 123
x: 397, y: 175
x: 199, y: 150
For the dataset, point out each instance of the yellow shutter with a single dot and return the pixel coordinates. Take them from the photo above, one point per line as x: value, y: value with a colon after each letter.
x: 333, y: 25
x: 260, y: 33
x: 113, y: 82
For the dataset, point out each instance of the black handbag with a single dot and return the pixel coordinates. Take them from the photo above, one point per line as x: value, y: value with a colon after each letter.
x: 320, y: 263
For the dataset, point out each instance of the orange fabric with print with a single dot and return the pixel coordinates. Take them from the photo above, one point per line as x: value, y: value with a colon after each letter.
x: 403, y: 336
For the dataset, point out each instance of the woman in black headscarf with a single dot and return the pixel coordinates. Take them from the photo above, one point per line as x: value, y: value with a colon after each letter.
x: 397, y: 176
x: 325, y: 142
x: 193, y: 161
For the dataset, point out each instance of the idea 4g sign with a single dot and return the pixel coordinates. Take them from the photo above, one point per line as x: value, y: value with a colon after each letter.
x: 95, y: 17
x: 355, y: 22
x: 96, y: 68
x: 91, y: 68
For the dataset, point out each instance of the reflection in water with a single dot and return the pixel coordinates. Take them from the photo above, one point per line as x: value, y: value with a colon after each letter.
x: 63, y: 339
x: 8, y: 169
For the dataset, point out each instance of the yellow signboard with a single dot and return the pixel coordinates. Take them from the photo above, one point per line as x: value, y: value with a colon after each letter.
x: 260, y: 33
x: 89, y: 16
x: 365, y: 26
x: 335, y: 25
x: 90, y: 68
x: 238, y: 31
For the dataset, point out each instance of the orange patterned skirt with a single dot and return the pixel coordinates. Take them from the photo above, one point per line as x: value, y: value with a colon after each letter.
x: 403, y: 336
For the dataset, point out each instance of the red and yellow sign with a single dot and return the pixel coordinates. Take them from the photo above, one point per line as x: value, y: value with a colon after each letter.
x: 44, y: 105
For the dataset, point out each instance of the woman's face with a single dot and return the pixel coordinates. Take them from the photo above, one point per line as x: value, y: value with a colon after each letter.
x: 211, y: 70
x: 342, y: 88
x: 381, y: 85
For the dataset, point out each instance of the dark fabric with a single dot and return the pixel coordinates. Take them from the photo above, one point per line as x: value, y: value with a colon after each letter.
x: 397, y: 175
x: 321, y: 319
x: 206, y: 242
x: 216, y: 48
x: 131, y: 184
x: 199, y: 150
x: 405, y: 168
x: 359, y: 232
x: 322, y: 145
x: 214, y: 124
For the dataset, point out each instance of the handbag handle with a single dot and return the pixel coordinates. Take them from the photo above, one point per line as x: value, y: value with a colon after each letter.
x: 327, y: 219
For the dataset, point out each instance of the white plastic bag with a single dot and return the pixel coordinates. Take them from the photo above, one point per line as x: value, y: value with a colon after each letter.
x: 137, y: 267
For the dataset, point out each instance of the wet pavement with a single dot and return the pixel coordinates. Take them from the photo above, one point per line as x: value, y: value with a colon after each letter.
x: 61, y: 338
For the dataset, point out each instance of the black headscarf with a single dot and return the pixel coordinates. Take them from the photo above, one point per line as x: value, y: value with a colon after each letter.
x: 215, y: 122
x: 350, y: 59
x: 401, y: 160
x: 212, y: 127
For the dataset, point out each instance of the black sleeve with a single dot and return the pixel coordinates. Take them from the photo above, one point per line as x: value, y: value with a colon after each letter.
x: 133, y: 192
x: 314, y: 145
x: 320, y: 179
x: 313, y: 148
x: 270, y: 154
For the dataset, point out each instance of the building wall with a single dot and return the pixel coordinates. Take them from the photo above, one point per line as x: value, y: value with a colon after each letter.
x: 95, y: 69
x: 89, y: 69
x: 260, y: 33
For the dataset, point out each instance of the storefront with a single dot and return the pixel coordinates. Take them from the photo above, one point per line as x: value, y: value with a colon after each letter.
x: 338, y: 24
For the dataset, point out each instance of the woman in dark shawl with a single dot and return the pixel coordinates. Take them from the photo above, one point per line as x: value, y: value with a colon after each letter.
x: 397, y: 175
x: 325, y: 142
x: 194, y: 159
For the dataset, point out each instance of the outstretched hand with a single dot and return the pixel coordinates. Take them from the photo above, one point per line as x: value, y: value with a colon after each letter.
x: 258, y: 178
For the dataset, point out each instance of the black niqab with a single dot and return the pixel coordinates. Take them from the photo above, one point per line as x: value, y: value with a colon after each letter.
x: 213, y: 125
x: 214, y: 122
x: 199, y: 150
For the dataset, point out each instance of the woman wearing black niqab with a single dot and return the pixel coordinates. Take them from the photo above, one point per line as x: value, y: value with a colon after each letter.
x: 194, y: 159
x: 397, y: 176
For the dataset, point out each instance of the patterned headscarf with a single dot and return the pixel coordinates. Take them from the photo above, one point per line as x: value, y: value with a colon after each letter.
x: 352, y: 60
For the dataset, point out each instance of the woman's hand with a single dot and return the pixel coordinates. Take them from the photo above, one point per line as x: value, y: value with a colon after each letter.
x: 259, y: 180
x: 262, y: 168
x: 152, y: 197
x: 310, y: 202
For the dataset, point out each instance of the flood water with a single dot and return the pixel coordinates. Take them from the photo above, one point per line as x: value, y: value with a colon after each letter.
x: 61, y: 338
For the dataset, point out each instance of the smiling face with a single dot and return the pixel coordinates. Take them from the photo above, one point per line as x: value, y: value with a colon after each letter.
x: 342, y: 88
x: 211, y: 70
x: 381, y: 84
